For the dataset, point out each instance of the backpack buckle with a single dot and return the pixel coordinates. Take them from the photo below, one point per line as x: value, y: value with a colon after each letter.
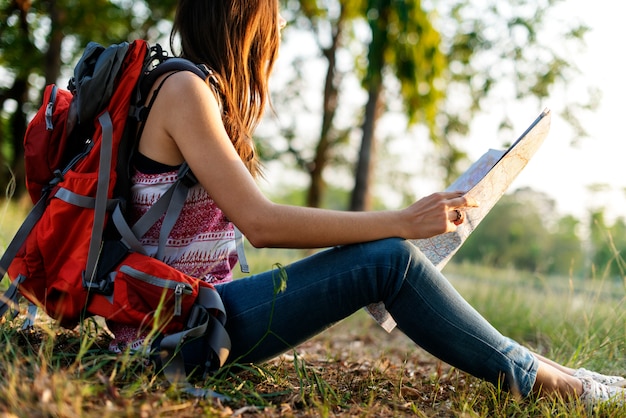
x: 103, y: 286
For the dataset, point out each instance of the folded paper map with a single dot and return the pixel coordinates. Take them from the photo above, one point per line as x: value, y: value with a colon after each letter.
x: 486, y: 181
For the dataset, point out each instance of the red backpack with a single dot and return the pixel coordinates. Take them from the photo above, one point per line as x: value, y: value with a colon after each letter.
x: 75, y: 255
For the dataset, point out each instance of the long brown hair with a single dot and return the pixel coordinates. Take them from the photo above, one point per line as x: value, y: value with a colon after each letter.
x: 239, y: 40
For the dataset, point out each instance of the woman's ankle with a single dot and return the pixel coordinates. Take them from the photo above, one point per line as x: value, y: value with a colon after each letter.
x: 553, y: 380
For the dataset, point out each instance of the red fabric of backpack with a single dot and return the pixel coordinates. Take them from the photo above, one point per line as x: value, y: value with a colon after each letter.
x: 75, y: 256
x: 46, y: 145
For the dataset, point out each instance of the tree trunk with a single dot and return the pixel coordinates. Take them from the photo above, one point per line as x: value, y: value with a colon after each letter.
x: 361, y: 199
x: 53, y: 55
x: 331, y: 92
x: 18, y: 129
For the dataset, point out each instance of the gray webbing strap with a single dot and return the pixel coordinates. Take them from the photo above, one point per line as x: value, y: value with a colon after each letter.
x: 82, y: 201
x: 153, y: 214
x: 174, y: 363
x: 128, y: 238
x: 20, y: 236
x: 218, y: 339
x: 171, y: 204
x: 211, y: 300
x: 106, y: 155
x: 31, y: 316
x: 9, y: 298
x: 171, y: 215
x: 241, y: 254
x: 211, y: 326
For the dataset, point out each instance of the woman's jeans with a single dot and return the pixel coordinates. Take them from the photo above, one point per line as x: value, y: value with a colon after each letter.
x: 275, y: 311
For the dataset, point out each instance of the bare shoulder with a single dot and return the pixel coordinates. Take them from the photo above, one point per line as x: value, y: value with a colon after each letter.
x: 186, y: 96
x: 184, y: 86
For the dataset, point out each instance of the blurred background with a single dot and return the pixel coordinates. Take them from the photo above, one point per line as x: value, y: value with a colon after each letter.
x: 378, y: 103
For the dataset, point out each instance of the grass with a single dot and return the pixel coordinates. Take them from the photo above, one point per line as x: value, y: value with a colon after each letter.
x: 353, y: 369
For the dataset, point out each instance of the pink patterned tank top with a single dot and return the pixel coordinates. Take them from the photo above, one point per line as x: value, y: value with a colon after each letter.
x: 202, y: 242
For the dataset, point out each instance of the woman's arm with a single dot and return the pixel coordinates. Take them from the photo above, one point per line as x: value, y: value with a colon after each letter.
x: 185, y: 125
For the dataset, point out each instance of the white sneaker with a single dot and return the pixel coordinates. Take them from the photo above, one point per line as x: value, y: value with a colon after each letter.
x: 595, y: 393
x: 601, y: 378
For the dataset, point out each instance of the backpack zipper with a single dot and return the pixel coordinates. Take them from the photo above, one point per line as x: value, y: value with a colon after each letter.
x: 78, y: 157
x: 180, y: 289
x: 59, y: 175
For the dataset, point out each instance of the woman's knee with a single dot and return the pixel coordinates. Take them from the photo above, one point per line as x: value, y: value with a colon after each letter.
x: 393, y: 252
x: 395, y: 259
x: 384, y: 245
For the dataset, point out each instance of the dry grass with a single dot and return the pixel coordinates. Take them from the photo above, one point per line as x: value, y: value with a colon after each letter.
x: 340, y: 373
x: 354, y: 369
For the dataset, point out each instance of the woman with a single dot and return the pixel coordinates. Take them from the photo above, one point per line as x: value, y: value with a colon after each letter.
x: 210, y: 126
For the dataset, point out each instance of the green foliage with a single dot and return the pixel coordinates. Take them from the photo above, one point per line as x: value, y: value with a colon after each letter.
x: 523, y: 232
x: 334, y: 198
x: 41, y: 41
x: 517, y: 234
x: 553, y: 314
x: 6, y: 151
x: 608, y: 246
x: 421, y: 53
x: 566, y: 248
x: 414, y: 52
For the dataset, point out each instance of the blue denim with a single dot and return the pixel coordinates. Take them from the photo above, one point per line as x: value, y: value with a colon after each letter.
x: 333, y: 284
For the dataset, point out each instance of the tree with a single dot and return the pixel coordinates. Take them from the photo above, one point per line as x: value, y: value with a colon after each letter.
x: 401, y: 37
x: 328, y: 25
x: 447, y: 60
x: 608, y: 246
x: 565, y: 252
x: 40, y: 41
x: 334, y: 25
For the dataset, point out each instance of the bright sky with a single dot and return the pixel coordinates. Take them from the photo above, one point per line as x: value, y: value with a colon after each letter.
x: 563, y: 171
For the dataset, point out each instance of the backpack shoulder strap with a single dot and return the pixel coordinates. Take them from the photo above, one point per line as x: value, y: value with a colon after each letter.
x: 172, y: 64
x: 139, y: 112
x: 152, y: 72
